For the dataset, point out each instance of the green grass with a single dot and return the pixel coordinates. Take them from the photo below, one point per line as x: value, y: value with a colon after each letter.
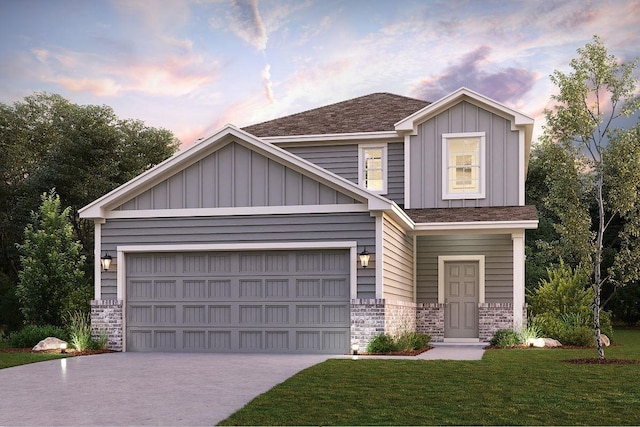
x: 8, y: 360
x: 511, y: 386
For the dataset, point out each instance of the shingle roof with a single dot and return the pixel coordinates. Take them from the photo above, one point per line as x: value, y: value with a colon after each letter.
x: 370, y: 113
x: 501, y: 213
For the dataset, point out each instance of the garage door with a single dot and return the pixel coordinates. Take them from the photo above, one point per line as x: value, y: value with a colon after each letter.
x: 275, y: 301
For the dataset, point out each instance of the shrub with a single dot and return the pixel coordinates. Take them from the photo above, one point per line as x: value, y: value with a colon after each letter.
x: 527, y: 333
x: 409, y: 341
x: 31, y: 335
x: 383, y: 343
x: 505, y: 338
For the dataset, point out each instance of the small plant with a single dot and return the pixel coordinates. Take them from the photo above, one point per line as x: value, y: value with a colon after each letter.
x: 407, y: 341
x: 383, y: 343
x: 529, y: 332
x: 79, y: 326
x: 31, y: 335
x: 100, y: 343
x: 505, y: 338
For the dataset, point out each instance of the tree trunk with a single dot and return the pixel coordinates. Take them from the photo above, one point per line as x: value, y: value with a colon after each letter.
x: 597, y: 278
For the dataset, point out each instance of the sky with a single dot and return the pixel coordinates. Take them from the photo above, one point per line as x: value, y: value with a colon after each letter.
x: 192, y: 66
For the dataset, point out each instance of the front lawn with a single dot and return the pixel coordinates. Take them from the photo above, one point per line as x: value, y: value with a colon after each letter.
x: 516, y: 387
x: 7, y: 360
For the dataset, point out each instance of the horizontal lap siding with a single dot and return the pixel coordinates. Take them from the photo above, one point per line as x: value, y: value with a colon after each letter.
x: 498, y: 252
x: 398, y: 263
x: 339, y: 159
x: 358, y: 227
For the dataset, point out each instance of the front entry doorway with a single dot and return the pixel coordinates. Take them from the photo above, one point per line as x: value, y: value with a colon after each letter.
x: 461, y: 297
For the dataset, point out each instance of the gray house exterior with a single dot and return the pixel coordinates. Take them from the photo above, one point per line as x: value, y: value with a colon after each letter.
x: 248, y: 241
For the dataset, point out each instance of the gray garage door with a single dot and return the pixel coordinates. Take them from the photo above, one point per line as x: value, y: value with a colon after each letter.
x: 274, y: 301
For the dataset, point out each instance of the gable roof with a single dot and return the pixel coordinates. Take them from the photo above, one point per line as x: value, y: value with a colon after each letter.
x: 376, y: 112
x: 99, y: 208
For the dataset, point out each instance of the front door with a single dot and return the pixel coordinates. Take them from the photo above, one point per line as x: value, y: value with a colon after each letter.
x: 461, y: 287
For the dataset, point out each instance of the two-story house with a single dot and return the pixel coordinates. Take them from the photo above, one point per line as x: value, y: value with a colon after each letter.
x: 257, y: 239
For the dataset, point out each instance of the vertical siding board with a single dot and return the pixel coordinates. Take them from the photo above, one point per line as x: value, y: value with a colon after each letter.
x: 224, y: 179
x: 501, y: 158
x: 259, y: 180
x: 208, y: 181
x: 395, y: 173
x: 176, y: 184
x: 160, y: 200
x: 241, y: 176
x: 192, y: 186
x: 276, y: 183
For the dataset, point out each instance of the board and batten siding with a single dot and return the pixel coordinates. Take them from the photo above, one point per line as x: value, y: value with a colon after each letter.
x: 498, y: 252
x: 395, y: 173
x: 397, y: 272
x: 343, y: 161
x: 358, y: 227
x: 235, y: 176
x: 502, y: 147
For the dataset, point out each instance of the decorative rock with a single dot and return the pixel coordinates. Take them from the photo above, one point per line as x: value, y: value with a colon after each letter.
x: 50, y: 343
x: 605, y: 340
x: 550, y: 342
x: 536, y: 342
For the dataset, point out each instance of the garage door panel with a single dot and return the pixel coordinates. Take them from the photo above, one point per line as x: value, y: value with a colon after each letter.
x: 280, y: 301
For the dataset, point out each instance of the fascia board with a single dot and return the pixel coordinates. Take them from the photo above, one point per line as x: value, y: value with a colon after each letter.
x: 470, y: 226
x: 409, y: 124
x: 332, y: 137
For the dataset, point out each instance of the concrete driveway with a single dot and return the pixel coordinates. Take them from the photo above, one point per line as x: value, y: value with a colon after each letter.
x: 140, y: 388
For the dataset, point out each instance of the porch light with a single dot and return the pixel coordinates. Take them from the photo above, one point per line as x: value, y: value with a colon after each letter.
x: 364, y: 258
x: 105, y: 261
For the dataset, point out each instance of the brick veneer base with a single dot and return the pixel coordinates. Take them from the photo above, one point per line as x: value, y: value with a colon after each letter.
x: 106, y: 316
x: 494, y: 316
x: 430, y: 320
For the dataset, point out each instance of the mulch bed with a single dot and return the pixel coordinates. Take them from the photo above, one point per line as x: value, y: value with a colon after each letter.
x: 605, y: 361
x: 398, y: 353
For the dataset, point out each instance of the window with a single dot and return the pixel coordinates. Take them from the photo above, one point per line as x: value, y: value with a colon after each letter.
x: 372, y: 169
x: 463, y: 166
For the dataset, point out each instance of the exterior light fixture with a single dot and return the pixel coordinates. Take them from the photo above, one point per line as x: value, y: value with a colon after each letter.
x: 63, y: 347
x: 354, y: 349
x: 105, y: 261
x: 364, y: 258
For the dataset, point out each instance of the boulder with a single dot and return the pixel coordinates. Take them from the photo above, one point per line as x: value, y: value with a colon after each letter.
x: 50, y: 343
x: 536, y: 342
x: 605, y: 340
x: 551, y: 343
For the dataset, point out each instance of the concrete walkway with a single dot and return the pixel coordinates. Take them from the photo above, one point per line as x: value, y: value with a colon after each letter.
x: 121, y: 389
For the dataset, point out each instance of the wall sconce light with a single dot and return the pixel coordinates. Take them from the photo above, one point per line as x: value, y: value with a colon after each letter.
x: 364, y: 258
x: 105, y: 261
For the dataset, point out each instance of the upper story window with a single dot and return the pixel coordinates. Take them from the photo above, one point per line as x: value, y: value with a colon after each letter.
x: 372, y: 167
x: 463, y: 165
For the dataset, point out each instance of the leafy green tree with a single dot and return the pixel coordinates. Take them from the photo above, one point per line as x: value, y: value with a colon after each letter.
x: 84, y: 151
x: 52, y: 280
x: 590, y: 164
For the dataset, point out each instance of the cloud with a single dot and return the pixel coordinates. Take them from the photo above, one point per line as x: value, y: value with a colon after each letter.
x: 266, y: 81
x: 503, y: 85
x: 167, y: 76
x: 247, y: 23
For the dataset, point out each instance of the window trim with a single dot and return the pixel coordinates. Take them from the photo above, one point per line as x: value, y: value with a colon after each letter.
x: 385, y: 166
x: 482, y: 173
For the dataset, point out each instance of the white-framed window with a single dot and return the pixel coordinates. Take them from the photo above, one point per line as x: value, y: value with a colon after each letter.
x: 463, y: 165
x: 372, y: 167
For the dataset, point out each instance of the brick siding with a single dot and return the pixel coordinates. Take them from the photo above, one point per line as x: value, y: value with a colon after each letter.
x: 106, y: 316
